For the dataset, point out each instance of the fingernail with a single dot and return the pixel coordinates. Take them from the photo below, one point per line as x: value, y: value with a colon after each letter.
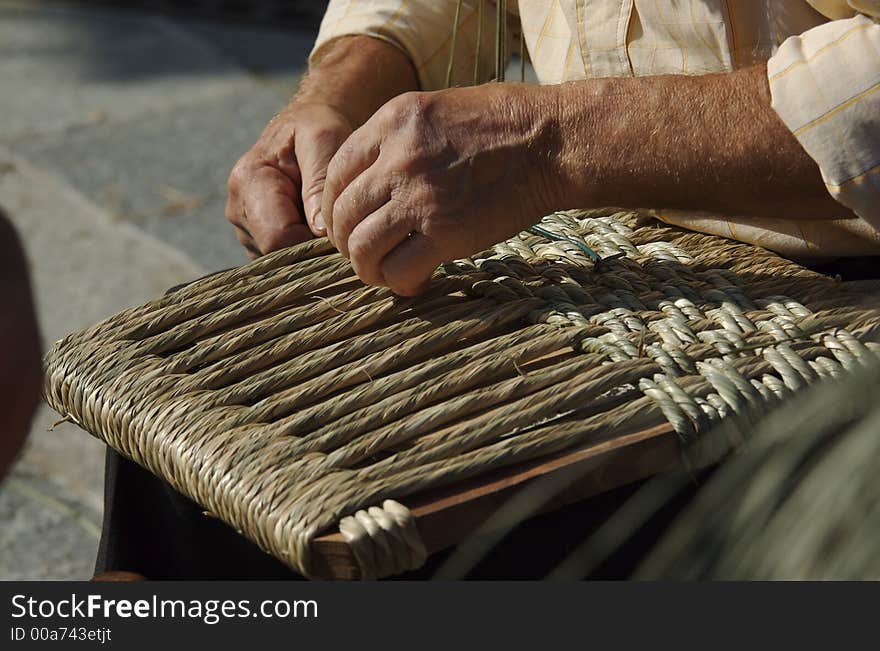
x: 313, y: 211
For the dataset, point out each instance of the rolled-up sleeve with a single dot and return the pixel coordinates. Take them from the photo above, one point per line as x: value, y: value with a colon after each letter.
x: 825, y: 85
x: 423, y: 30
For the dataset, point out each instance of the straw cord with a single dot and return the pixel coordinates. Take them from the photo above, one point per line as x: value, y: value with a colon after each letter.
x: 500, y: 36
x: 384, y: 540
x: 478, y: 42
x: 288, y: 399
x: 453, y: 44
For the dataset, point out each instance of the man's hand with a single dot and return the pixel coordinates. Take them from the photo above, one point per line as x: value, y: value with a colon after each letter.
x: 275, y: 188
x: 436, y: 176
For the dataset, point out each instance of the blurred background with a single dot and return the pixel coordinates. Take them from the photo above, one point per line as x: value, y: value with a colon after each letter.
x: 119, y: 123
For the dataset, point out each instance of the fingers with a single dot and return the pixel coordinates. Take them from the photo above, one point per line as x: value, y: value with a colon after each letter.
x: 314, y: 149
x: 367, y: 194
x: 408, y: 268
x: 357, y: 154
x: 247, y: 241
x: 269, y: 211
x: 275, y: 189
x: 376, y: 236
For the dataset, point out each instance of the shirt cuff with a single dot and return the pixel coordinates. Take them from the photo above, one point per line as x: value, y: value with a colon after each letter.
x: 825, y: 86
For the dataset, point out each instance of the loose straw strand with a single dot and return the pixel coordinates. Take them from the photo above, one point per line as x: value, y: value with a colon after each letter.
x: 500, y: 9
x: 453, y: 45
x: 479, y: 42
x: 503, y: 39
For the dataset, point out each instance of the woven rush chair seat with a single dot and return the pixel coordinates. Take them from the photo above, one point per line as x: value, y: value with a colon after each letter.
x: 350, y: 432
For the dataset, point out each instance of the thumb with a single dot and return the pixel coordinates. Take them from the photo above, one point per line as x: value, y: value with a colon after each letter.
x: 314, y: 149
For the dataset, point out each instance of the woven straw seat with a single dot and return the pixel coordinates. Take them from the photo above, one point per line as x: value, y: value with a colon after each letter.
x: 290, y: 400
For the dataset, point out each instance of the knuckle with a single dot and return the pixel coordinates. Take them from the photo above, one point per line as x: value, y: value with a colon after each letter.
x: 238, y: 175
x: 271, y: 233
x: 324, y: 136
x: 272, y: 239
x: 358, y: 253
x: 358, y: 262
x: 411, y: 156
x: 341, y: 208
x: 408, y: 195
x: 346, y: 150
x: 399, y: 164
x: 233, y: 215
x: 408, y: 164
x: 396, y: 107
x: 337, y: 162
x: 278, y: 127
x: 420, y: 104
x: 413, y: 104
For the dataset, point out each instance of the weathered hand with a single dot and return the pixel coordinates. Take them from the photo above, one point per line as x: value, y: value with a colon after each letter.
x: 280, y: 179
x: 436, y: 176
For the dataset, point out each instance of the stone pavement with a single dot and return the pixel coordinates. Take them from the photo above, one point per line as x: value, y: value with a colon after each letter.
x: 118, y: 131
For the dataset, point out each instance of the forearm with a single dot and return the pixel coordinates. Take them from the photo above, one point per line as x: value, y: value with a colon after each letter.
x: 356, y: 75
x: 708, y: 142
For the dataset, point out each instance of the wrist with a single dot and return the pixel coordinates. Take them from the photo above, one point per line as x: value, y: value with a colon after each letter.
x: 557, y: 183
x: 355, y: 75
x: 308, y: 101
x: 586, y: 162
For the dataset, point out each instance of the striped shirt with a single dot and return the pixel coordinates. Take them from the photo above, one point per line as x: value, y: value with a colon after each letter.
x: 823, y: 63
